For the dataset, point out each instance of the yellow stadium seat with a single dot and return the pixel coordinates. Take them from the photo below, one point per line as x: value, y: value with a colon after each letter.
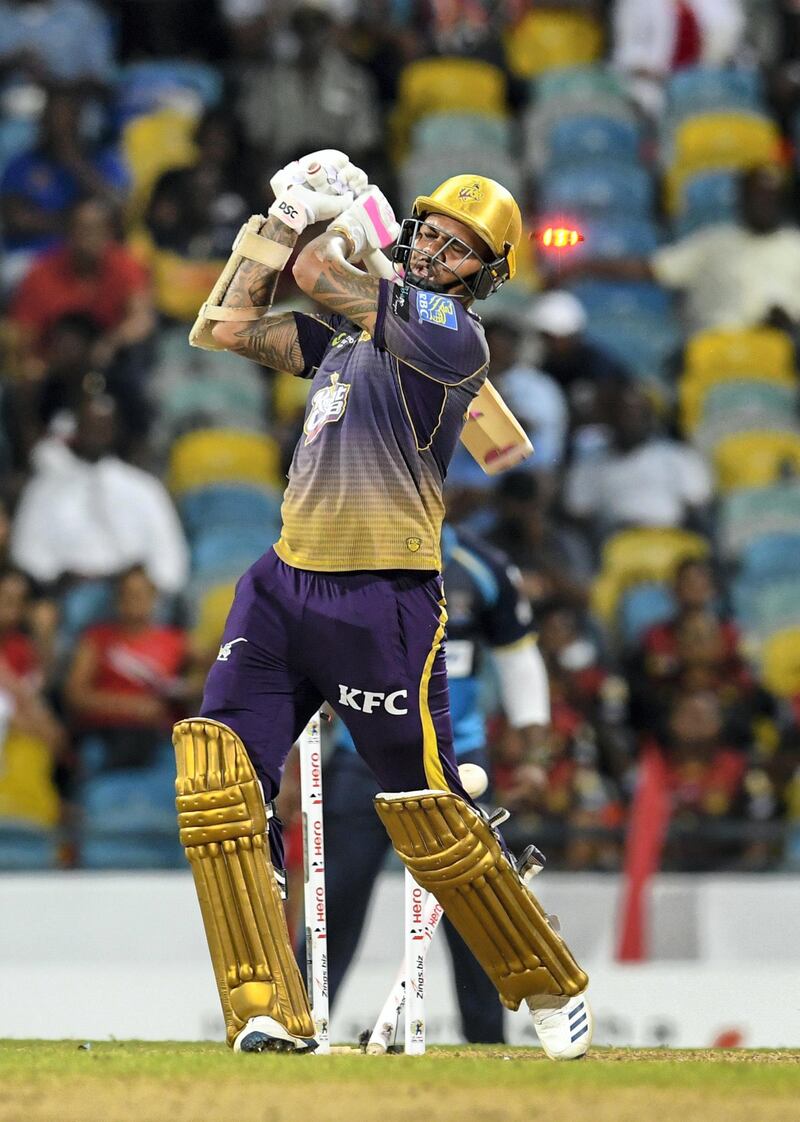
x: 780, y: 662
x: 740, y: 352
x: 208, y: 456
x: 27, y: 793
x: 212, y: 613
x: 692, y: 391
x: 289, y: 395
x: 180, y: 284
x: 761, y: 354
x: 445, y: 85
x: 550, y: 39
x: 756, y: 459
x: 633, y: 556
x: 152, y: 144
x: 713, y: 141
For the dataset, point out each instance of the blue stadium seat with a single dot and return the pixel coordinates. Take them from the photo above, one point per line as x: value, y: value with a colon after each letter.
x: 765, y: 606
x: 91, y: 602
x: 145, y: 87
x: 423, y: 171
x: 589, y: 137
x: 622, y: 298
x: 223, y: 553
x: 612, y: 237
x: 85, y: 604
x: 641, y: 607
x: 231, y: 507
x: 128, y: 814
x: 753, y: 512
x: 24, y: 848
x: 644, y: 344
x: 540, y: 116
x: 16, y: 135
x: 706, y: 199
x: 584, y: 83
x: 701, y: 89
x: 100, y: 850
x: 771, y: 557
x: 595, y: 187
x: 460, y: 130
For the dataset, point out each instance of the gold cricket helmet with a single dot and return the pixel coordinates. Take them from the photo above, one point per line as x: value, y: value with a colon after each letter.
x: 482, y: 204
x: 488, y: 209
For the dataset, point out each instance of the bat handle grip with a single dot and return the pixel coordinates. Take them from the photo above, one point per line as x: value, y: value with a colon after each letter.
x: 378, y: 265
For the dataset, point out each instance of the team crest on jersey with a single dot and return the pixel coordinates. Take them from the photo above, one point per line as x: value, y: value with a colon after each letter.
x: 413, y: 544
x: 437, y: 309
x: 327, y: 407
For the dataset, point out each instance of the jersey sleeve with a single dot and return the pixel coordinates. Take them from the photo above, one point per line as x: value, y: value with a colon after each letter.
x: 314, y: 334
x: 431, y: 333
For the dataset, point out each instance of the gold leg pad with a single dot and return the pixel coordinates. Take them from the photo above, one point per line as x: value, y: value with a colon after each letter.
x: 453, y: 853
x: 223, y: 828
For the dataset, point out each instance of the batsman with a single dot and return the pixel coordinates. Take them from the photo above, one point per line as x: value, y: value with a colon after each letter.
x: 348, y: 606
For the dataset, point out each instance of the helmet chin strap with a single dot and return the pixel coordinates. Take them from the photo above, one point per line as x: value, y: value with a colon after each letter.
x: 431, y: 286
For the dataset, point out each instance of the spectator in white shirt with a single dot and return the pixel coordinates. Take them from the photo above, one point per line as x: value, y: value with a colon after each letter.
x: 535, y: 399
x: 641, y: 479
x: 86, y: 513
x: 654, y: 37
x: 732, y: 275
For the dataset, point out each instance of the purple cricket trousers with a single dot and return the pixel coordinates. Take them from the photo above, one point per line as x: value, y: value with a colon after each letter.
x: 371, y: 644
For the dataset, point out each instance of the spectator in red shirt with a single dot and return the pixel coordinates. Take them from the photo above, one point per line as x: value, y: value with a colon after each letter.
x: 95, y: 275
x: 126, y: 676
x: 694, y: 589
x: 17, y: 652
x: 562, y: 797
x: 21, y: 675
x: 703, y: 661
x: 705, y: 775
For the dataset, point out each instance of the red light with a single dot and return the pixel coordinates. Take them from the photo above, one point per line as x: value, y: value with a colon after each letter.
x: 558, y: 237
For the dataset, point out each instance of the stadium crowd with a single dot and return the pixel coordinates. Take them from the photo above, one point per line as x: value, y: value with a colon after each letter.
x: 654, y: 365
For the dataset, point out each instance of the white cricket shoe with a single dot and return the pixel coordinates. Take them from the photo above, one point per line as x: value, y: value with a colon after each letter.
x: 263, y: 1034
x: 564, y: 1025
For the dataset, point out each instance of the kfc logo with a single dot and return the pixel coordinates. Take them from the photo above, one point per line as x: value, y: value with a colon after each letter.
x: 365, y: 701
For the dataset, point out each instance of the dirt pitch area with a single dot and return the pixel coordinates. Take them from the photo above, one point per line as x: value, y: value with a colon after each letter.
x: 134, y: 1081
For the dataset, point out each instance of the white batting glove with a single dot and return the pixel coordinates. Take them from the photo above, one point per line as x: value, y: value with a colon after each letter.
x: 298, y: 206
x: 329, y: 158
x: 369, y: 223
x: 328, y: 171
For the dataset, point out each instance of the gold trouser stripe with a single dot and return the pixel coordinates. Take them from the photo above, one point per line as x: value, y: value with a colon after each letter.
x: 434, y: 772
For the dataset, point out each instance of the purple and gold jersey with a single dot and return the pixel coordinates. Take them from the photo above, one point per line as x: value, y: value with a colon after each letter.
x: 382, y: 421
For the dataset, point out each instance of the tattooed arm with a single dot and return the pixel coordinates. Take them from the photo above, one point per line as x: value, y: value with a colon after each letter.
x: 270, y: 340
x: 323, y: 272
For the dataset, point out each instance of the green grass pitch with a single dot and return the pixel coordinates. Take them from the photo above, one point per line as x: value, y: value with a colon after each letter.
x: 136, y: 1081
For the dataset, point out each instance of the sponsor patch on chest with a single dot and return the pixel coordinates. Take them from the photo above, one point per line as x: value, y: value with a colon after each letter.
x: 327, y: 407
x: 435, y: 308
x: 343, y: 339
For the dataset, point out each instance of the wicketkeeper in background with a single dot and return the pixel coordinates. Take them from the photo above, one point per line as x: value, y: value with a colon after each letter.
x: 348, y: 606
